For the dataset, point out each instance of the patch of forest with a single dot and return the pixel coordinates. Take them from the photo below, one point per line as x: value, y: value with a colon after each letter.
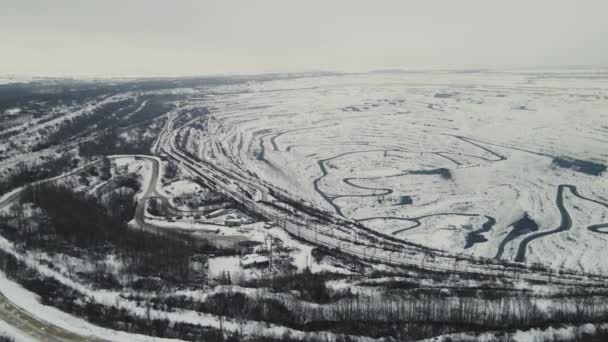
x: 24, y: 174
x: 116, y: 114
x: 75, y: 224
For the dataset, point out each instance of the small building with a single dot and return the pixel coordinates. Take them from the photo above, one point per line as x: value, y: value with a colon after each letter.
x: 255, y: 260
x: 233, y: 222
x: 248, y: 246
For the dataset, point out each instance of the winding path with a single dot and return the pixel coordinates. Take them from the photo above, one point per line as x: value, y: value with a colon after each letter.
x: 566, y: 221
x: 151, y: 192
x: 330, y: 199
x: 275, y: 146
x: 416, y: 220
x: 349, y: 181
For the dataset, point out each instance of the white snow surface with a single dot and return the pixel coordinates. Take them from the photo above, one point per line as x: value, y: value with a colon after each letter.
x: 384, y: 138
x: 9, y: 331
x: 29, y: 301
x: 559, y: 334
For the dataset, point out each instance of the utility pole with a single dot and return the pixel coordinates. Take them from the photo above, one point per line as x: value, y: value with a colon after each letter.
x: 269, y: 242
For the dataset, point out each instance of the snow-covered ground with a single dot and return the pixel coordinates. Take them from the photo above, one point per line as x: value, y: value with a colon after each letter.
x: 181, y: 187
x: 565, y: 333
x: 29, y: 302
x: 7, y: 330
x: 446, y: 160
x: 436, y: 158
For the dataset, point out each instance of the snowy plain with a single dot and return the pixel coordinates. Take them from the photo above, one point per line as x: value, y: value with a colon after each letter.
x: 435, y: 158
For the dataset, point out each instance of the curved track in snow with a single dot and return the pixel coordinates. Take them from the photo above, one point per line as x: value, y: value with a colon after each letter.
x: 566, y: 220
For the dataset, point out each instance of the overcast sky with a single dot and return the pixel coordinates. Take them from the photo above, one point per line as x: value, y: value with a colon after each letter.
x: 253, y: 36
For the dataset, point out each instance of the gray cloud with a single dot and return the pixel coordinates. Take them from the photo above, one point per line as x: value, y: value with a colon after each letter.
x: 229, y: 36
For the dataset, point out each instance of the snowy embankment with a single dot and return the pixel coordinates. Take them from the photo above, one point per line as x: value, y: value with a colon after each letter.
x: 551, y: 334
x: 7, y: 330
x: 29, y: 302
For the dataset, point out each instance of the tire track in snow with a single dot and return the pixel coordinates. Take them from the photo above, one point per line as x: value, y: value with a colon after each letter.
x: 566, y: 220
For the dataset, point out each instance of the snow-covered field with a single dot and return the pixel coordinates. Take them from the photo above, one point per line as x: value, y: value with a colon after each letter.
x: 496, y: 164
x: 448, y: 160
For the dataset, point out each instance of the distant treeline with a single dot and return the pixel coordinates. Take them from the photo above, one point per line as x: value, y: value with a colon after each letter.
x: 65, y: 91
x: 400, y: 317
x: 111, y: 115
x: 111, y: 143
